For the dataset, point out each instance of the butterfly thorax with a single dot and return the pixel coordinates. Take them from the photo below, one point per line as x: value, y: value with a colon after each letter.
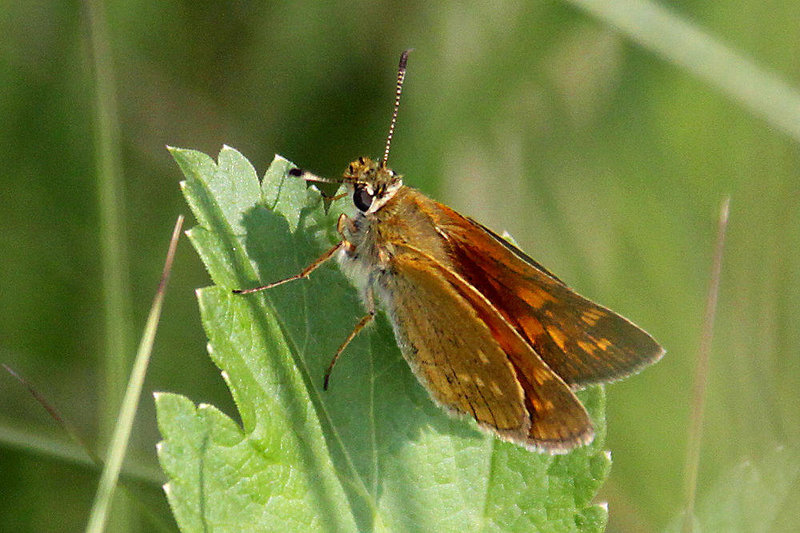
x: 391, y: 218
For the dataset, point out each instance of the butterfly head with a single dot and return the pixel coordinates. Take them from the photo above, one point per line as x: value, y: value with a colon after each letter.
x: 372, y: 184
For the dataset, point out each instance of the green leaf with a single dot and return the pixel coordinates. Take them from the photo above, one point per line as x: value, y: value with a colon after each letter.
x: 373, y: 452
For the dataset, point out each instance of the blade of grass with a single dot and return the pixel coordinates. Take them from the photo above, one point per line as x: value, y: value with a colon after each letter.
x: 762, y: 92
x: 27, y: 442
x: 701, y: 373
x: 122, y: 431
x: 54, y: 449
x: 81, y: 453
x: 55, y: 415
x: 117, y: 306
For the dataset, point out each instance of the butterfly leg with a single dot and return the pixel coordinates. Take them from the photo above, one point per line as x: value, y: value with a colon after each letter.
x: 345, y: 225
x: 366, y: 319
x: 305, y: 272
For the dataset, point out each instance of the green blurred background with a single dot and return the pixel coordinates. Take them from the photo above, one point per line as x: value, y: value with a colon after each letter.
x: 605, y: 162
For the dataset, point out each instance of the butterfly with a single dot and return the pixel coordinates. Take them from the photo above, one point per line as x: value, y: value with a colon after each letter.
x: 489, y: 332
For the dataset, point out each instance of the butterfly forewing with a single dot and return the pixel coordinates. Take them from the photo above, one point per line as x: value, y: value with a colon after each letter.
x: 584, y: 343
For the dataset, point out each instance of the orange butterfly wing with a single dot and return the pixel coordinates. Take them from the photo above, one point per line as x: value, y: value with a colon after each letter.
x: 488, y: 370
x: 584, y: 343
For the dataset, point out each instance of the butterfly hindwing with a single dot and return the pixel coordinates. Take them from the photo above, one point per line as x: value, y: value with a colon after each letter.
x: 491, y: 372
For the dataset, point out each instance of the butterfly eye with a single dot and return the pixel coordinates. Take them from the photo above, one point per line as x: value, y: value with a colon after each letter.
x: 362, y: 198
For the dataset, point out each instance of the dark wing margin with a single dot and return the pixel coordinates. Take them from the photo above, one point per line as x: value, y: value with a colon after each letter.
x: 583, y: 342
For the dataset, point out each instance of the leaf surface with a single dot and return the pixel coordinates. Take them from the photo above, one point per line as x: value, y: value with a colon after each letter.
x: 371, y: 453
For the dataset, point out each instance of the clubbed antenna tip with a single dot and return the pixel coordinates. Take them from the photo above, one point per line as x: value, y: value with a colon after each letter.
x: 401, y: 74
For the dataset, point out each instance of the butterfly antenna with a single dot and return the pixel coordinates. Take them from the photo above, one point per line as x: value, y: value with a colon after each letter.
x: 401, y: 75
